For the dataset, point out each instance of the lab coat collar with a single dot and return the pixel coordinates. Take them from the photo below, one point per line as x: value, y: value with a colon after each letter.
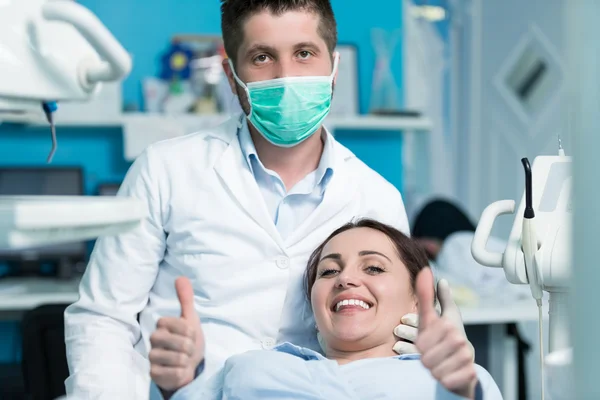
x: 235, y: 172
x: 236, y: 175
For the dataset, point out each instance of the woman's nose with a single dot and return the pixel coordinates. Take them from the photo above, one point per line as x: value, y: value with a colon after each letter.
x: 347, y: 279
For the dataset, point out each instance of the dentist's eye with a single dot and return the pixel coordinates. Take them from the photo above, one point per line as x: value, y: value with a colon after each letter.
x: 261, y: 59
x: 304, y: 54
x: 372, y: 269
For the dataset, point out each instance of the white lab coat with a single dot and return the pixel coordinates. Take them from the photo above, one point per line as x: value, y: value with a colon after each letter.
x: 206, y: 220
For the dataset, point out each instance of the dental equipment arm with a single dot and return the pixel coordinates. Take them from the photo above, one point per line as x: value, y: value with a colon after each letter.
x: 543, y: 262
x: 529, y: 249
x: 54, y: 51
x: 529, y: 237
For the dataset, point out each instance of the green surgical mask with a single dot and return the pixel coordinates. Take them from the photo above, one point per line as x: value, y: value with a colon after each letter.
x: 287, y: 111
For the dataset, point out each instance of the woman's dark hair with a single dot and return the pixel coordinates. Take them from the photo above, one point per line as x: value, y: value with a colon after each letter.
x: 412, y: 255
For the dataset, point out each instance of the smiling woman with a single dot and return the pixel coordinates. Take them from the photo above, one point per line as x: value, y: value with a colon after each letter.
x: 360, y: 283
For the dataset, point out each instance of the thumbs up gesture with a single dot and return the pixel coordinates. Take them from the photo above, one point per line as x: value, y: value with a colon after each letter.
x: 177, y: 343
x: 444, y: 350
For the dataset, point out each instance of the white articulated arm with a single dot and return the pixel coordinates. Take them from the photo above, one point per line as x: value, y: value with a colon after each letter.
x: 484, y: 230
x: 117, y: 62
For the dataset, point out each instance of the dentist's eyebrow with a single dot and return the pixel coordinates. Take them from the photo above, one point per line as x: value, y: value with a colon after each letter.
x: 307, y: 45
x: 371, y: 252
x: 261, y: 48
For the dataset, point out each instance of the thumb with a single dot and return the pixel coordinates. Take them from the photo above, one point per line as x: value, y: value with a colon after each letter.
x: 425, y: 298
x: 444, y: 294
x: 449, y: 308
x: 185, y: 294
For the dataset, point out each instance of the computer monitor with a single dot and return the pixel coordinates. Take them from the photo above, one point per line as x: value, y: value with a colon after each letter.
x: 108, y: 189
x: 54, y: 181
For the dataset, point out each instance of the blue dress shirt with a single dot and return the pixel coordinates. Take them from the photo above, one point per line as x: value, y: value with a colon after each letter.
x: 288, y: 209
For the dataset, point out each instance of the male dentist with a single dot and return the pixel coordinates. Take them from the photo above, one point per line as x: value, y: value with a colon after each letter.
x: 236, y: 210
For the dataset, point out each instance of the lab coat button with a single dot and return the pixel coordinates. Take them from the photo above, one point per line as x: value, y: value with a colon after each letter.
x: 268, y: 343
x: 283, y: 262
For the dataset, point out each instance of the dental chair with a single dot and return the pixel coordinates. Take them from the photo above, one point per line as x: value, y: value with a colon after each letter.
x: 44, y: 362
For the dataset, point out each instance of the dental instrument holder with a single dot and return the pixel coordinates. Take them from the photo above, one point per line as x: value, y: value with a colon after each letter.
x: 551, y: 179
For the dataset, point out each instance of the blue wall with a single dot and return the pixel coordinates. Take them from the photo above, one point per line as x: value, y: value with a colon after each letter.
x: 98, y: 150
x: 144, y: 27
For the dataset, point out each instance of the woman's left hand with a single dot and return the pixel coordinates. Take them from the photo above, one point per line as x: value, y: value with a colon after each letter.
x: 444, y: 349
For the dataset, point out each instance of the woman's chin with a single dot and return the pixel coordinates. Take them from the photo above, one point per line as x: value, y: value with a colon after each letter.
x: 351, y: 339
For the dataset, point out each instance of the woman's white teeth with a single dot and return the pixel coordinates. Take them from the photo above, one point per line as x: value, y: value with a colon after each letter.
x: 352, y: 302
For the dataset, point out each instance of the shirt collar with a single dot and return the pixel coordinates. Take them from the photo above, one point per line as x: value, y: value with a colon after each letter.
x: 324, y: 170
x: 301, y: 352
x: 309, y: 354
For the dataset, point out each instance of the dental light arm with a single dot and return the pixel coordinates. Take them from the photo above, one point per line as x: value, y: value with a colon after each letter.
x: 116, y: 63
x: 54, y: 51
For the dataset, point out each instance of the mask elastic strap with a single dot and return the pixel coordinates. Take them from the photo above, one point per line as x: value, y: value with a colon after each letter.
x: 242, y: 84
x: 336, y: 61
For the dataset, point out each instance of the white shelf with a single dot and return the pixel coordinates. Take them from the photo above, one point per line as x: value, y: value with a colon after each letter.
x: 379, y: 123
x: 354, y: 122
x: 142, y: 129
x: 73, y: 121
x: 34, y: 221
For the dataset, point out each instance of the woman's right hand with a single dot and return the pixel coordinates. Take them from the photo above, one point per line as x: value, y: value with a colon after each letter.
x: 444, y: 349
x: 177, y: 344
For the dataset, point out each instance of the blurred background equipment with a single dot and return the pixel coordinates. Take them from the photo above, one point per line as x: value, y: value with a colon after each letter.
x: 191, y: 78
x: 52, y: 52
x: 61, y: 260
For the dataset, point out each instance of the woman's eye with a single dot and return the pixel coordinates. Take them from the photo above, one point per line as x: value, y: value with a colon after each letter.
x: 328, y: 272
x: 372, y: 269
